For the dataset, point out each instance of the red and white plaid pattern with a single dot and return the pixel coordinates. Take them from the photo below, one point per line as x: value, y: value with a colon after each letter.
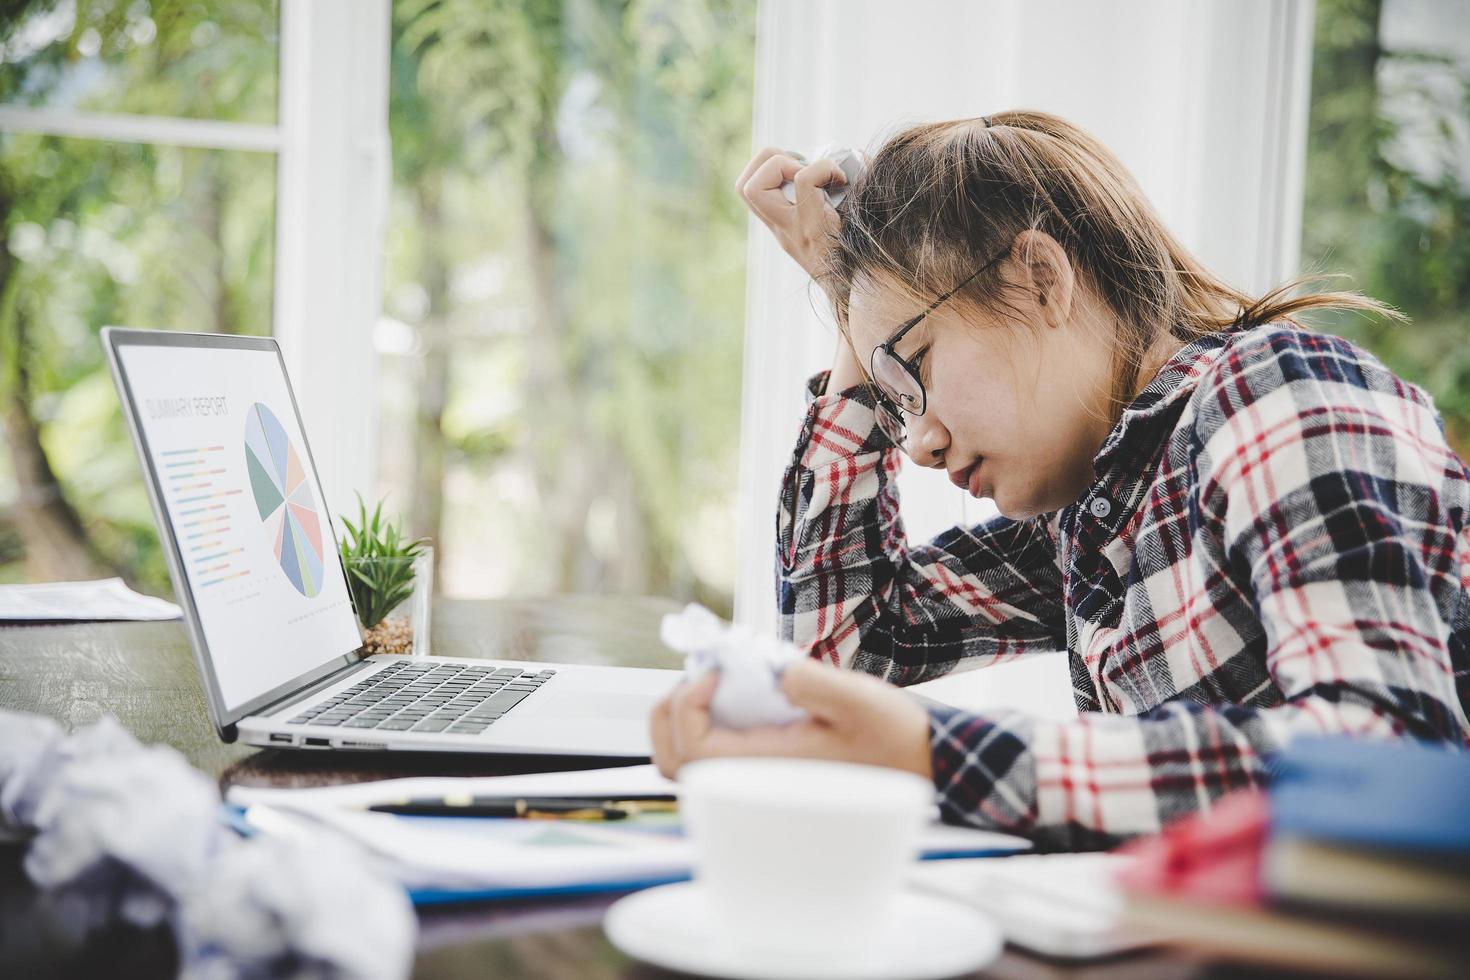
x: 1283, y: 548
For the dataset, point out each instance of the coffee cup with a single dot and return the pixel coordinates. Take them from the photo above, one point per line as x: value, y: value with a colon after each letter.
x: 802, y: 858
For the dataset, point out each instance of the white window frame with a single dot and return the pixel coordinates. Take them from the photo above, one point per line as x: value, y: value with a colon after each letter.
x: 333, y: 173
x: 335, y: 169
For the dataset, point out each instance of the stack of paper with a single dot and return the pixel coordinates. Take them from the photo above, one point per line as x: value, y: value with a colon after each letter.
x: 458, y: 858
x: 104, y: 599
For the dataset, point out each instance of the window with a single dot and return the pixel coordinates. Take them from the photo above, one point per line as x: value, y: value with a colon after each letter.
x: 1388, y: 185
x: 215, y: 61
x: 563, y: 312
x: 137, y: 187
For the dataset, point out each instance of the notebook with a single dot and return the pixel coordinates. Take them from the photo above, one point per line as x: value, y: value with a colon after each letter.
x: 1399, y: 794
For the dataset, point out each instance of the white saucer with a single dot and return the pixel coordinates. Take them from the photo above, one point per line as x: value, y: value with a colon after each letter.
x: 928, y: 937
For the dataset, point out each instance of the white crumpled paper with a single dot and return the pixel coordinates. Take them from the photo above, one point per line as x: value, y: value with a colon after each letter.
x: 851, y: 162
x: 118, y: 831
x: 749, y: 694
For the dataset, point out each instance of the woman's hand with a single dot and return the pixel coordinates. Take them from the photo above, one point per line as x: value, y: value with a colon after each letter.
x: 854, y: 718
x: 805, y: 229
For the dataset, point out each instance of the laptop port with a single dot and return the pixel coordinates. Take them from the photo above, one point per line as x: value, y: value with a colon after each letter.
x: 320, y: 743
x: 280, y: 737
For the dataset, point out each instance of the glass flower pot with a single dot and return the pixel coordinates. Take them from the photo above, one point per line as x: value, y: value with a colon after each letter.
x: 392, y: 599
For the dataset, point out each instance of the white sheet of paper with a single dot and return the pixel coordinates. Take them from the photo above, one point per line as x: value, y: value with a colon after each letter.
x: 104, y: 599
x: 625, y: 780
x: 460, y: 854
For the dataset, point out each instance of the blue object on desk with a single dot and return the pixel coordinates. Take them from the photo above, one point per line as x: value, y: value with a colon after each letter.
x: 426, y: 896
x: 1401, y: 794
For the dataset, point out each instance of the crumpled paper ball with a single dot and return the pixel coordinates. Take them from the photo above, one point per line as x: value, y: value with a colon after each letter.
x: 749, y: 694
x: 851, y: 162
x: 118, y: 831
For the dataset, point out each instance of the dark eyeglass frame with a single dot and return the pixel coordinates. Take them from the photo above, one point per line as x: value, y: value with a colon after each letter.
x: 891, y: 404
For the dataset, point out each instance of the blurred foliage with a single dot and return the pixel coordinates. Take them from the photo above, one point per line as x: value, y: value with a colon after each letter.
x: 564, y: 245
x: 197, y: 59
x: 1388, y: 198
x: 98, y: 233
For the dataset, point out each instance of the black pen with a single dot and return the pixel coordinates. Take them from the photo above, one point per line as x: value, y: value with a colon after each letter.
x: 530, y: 807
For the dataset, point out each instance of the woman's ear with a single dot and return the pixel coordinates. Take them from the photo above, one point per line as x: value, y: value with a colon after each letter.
x: 1044, y: 275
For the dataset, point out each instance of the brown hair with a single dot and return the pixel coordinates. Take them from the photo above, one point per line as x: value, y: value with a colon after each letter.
x: 939, y: 199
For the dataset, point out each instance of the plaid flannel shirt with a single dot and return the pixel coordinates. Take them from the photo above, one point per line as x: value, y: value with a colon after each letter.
x: 1275, y: 543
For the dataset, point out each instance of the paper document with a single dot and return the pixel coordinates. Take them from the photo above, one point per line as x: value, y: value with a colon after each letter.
x: 105, y: 599
x: 438, y: 858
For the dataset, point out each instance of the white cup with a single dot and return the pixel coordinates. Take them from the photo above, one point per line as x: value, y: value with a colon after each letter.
x: 800, y: 858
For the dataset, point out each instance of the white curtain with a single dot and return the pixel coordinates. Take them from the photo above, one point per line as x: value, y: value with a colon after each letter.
x: 1204, y: 102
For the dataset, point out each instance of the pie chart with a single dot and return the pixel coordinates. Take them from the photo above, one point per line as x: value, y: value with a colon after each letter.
x: 283, y: 498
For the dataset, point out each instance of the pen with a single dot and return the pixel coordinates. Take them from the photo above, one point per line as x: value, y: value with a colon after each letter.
x: 558, y: 807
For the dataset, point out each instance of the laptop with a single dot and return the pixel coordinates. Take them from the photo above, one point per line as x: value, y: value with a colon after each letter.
x: 255, y: 567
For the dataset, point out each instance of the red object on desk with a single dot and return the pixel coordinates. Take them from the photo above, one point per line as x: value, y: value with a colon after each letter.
x: 1213, y: 856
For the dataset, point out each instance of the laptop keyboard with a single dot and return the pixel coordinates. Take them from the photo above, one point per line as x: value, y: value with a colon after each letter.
x: 409, y: 697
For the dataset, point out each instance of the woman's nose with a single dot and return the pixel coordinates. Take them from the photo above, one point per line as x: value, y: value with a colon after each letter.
x: 927, y: 439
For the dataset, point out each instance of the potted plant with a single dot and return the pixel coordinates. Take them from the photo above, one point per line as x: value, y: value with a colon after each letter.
x: 390, y: 578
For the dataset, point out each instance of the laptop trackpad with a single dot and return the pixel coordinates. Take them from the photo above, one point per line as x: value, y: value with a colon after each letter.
x: 594, y: 705
x: 575, y: 720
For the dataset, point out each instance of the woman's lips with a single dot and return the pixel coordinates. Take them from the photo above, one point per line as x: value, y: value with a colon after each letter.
x: 974, y: 484
x: 966, y: 477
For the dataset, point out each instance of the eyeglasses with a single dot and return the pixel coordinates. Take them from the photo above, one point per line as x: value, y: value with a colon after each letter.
x: 897, y: 378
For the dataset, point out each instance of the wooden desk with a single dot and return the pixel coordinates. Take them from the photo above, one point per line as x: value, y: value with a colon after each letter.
x: 144, y: 675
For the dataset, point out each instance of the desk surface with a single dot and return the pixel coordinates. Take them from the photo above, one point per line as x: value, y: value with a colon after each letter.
x: 144, y: 674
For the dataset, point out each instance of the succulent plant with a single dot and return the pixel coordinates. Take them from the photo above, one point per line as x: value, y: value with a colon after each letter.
x: 379, y: 562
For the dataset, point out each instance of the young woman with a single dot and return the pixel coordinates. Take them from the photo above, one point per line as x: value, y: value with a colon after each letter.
x: 1239, y: 530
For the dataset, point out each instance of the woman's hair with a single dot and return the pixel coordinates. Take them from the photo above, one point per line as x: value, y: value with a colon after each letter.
x: 939, y: 200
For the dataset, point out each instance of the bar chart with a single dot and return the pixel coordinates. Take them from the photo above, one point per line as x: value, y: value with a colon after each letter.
x: 192, y: 479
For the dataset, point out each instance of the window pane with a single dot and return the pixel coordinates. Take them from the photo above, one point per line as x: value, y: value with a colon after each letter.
x: 560, y: 353
x: 102, y: 233
x: 1388, y: 184
x: 214, y: 60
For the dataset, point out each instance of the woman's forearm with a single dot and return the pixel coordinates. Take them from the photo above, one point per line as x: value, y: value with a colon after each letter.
x: 854, y: 592
x: 1101, y: 779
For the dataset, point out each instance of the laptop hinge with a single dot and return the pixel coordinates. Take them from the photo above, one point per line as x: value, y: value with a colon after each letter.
x: 311, y: 690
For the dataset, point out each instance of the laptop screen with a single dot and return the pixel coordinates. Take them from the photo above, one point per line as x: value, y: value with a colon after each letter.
x: 233, y: 476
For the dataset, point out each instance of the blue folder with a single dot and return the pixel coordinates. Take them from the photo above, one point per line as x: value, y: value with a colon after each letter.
x: 1401, y: 795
